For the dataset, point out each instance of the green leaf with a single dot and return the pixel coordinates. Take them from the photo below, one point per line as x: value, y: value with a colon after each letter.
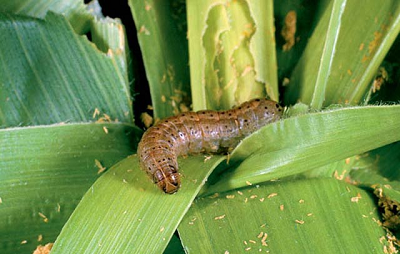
x: 328, y: 53
x: 162, y: 37
x: 339, y: 169
x: 361, y: 47
x: 232, y: 52
x: 74, y: 10
x: 372, y: 180
x: 379, y: 169
x: 110, y: 37
x: 307, y: 17
x: 44, y: 172
x: 307, y: 216
x: 48, y: 74
x: 124, y: 212
x: 309, y: 141
x: 386, y: 160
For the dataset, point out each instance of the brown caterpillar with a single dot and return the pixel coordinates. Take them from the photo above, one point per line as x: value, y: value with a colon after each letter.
x: 196, y: 132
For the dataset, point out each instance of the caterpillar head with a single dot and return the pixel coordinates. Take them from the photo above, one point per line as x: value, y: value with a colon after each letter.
x: 170, y: 184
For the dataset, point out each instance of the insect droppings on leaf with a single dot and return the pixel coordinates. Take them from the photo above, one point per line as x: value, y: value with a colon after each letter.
x: 147, y: 6
x: 263, y: 240
x: 146, y: 119
x: 215, y: 195
x: 45, y: 219
x: 99, y: 166
x: 96, y: 113
x: 289, y: 30
x: 40, y: 249
x: 144, y: 30
x: 220, y: 217
x: 206, y: 158
x: 356, y: 198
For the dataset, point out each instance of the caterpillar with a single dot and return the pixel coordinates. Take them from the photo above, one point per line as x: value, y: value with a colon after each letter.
x: 198, y: 132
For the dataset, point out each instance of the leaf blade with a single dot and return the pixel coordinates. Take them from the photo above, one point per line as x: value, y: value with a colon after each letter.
x: 308, y: 141
x: 285, y: 217
x: 228, y: 55
x: 328, y: 54
x: 162, y: 39
x: 151, y: 218
x: 49, y: 173
x: 75, y: 11
x: 41, y: 86
x: 365, y: 41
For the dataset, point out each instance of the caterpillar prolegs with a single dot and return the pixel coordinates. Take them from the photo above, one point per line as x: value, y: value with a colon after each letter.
x: 197, y: 132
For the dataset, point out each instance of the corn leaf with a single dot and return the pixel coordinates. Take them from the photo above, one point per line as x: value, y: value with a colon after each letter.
x: 309, y: 141
x: 232, y: 52
x: 110, y: 37
x: 75, y: 11
x: 43, y: 180
x: 306, y: 216
x: 124, y: 212
x: 307, y: 15
x: 328, y: 53
x: 48, y: 74
x: 161, y: 28
x: 379, y: 168
x: 362, y: 45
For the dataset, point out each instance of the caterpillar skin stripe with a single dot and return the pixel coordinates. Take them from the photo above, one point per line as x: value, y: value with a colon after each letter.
x: 199, y: 132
